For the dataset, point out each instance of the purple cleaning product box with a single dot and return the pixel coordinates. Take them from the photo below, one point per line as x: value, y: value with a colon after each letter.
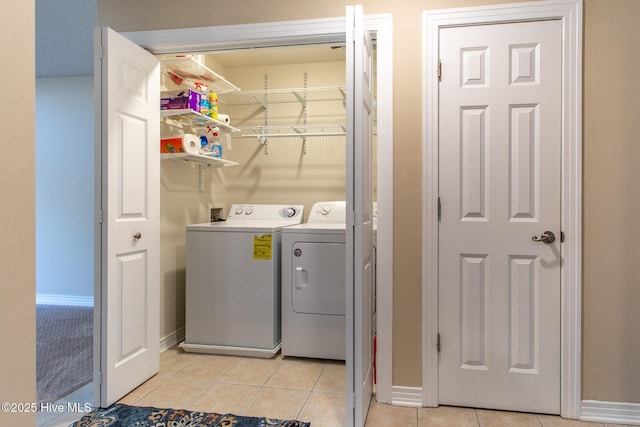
x: 180, y: 100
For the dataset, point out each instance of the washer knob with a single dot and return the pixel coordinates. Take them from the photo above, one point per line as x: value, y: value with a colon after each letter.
x: 325, y: 209
x: 248, y: 210
x: 288, y: 212
x: 238, y: 211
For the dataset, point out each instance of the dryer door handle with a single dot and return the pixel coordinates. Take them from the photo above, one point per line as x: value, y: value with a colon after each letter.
x: 302, y: 278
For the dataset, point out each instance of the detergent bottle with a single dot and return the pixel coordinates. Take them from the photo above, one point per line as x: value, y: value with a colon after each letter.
x: 204, y: 98
x: 213, y: 105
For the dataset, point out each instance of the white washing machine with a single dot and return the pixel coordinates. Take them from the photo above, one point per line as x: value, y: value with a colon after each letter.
x: 233, y: 281
x: 313, y: 284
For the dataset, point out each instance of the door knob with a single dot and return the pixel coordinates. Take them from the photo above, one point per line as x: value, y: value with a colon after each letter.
x: 137, y: 236
x: 546, y: 237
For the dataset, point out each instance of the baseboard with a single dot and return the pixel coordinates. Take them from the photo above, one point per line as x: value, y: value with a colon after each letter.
x: 171, y: 340
x: 70, y: 300
x: 406, y: 396
x: 610, y: 412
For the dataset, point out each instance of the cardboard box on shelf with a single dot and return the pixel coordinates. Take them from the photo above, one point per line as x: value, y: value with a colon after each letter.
x: 180, y: 100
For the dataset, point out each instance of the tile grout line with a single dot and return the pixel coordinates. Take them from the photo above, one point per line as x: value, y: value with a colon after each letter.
x: 200, y: 395
x: 306, y: 399
x: 246, y: 405
x: 214, y: 382
x: 236, y: 361
x: 139, y: 398
x: 261, y: 387
x: 176, y: 355
x: 324, y: 366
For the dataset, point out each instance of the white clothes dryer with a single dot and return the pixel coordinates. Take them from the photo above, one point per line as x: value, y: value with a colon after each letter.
x: 313, y: 284
x: 233, y: 292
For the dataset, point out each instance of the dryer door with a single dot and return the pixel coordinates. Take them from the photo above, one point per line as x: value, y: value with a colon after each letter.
x: 317, y: 278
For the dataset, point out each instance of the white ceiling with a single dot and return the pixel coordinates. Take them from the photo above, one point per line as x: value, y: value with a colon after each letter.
x: 64, y: 37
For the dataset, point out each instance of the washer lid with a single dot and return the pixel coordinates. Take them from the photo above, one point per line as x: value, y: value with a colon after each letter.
x: 255, y: 218
x: 247, y: 226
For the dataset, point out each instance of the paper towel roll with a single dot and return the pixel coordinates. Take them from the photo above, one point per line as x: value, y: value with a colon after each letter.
x: 191, y: 143
x: 224, y: 118
x: 187, y: 143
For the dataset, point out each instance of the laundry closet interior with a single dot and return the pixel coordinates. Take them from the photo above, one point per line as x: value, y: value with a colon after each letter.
x: 280, y: 141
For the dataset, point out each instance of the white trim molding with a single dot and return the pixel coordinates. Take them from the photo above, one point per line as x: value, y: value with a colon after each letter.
x: 172, y: 340
x: 406, y: 396
x: 310, y: 32
x: 68, y: 300
x: 381, y: 25
x: 570, y: 13
x: 240, y: 36
x: 610, y: 412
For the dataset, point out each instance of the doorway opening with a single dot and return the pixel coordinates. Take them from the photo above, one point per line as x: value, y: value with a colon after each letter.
x: 283, y: 91
x: 64, y: 244
x: 190, y: 39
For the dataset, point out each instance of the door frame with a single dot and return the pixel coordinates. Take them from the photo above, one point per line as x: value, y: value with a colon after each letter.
x: 570, y: 13
x: 311, y: 31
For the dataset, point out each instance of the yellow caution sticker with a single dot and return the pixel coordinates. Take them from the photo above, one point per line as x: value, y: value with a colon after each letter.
x: 263, y: 246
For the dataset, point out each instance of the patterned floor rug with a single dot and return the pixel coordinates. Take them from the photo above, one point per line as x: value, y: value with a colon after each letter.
x: 139, y: 416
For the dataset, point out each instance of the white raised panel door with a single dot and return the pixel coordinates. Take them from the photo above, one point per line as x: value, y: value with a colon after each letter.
x: 359, y: 257
x: 128, y: 119
x: 499, y: 148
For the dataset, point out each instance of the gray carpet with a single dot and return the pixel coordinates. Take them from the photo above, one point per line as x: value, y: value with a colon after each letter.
x: 64, y: 350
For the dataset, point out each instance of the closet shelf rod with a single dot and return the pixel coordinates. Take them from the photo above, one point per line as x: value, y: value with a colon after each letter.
x: 289, y: 135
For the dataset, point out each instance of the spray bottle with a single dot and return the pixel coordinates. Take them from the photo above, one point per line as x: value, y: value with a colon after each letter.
x: 204, y: 98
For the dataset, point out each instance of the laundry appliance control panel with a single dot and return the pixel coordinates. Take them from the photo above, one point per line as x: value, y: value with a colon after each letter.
x: 264, y: 212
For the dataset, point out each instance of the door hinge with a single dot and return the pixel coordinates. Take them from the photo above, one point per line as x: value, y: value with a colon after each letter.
x: 438, y: 343
x: 353, y: 400
x: 100, y: 52
x: 562, y: 237
x: 439, y: 209
x: 439, y: 70
x: 100, y: 216
x: 98, y: 378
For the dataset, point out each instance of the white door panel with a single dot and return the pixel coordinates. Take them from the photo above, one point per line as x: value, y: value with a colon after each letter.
x: 318, y: 278
x: 359, y: 230
x: 499, y: 292
x: 128, y: 121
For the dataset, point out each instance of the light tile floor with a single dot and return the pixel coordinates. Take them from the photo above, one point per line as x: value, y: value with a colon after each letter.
x: 290, y: 388
x: 75, y: 400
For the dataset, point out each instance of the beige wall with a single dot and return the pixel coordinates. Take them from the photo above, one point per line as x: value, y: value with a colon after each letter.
x: 611, y: 147
x: 285, y: 175
x: 611, y: 319
x: 17, y: 212
x: 182, y: 201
